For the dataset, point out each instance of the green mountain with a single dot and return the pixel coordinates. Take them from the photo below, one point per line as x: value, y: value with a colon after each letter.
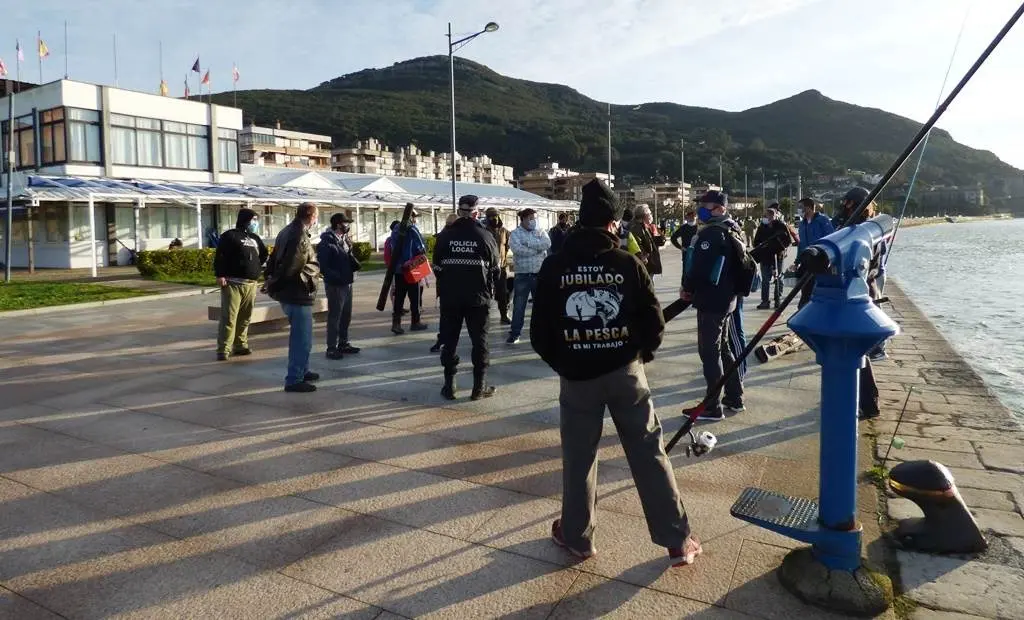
x: 522, y: 123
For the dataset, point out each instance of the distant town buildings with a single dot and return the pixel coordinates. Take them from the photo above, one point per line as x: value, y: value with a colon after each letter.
x: 556, y: 183
x: 371, y: 157
x: 264, y: 146
x: 952, y: 198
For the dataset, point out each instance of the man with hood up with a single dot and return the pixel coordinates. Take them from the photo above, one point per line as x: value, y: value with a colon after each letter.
x: 596, y: 321
x: 237, y: 264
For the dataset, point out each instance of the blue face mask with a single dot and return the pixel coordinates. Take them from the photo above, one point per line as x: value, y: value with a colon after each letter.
x: 703, y: 214
x: 254, y: 226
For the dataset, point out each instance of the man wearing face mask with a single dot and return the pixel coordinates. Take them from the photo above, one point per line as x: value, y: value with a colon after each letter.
x: 529, y: 248
x: 240, y: 256
x: 338, y: 266
x: 771, y: 240
x: 559, y: 232
x: 292, y: 273
x: 501, y: 235
x: 413, y: 246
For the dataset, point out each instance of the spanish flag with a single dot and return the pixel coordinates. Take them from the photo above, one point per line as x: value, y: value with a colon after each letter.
x: 43, y: 50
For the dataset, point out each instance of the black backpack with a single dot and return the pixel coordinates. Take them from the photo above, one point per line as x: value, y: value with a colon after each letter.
x: 746, y: 266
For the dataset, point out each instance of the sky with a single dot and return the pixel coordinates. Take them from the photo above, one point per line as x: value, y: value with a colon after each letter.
x: 726, y: 54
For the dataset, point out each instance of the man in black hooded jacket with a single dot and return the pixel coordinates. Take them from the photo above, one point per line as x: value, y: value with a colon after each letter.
x: 237, y: 264
x: 596, y: 320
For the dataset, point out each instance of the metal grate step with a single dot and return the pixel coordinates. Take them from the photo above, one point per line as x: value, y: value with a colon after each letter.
x: 786, y: 515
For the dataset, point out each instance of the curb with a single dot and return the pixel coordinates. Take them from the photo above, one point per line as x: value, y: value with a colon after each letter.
x: 109, y: 302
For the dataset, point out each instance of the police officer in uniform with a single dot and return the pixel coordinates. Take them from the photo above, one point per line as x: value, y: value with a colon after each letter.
x: 711, y: 283
x: 466, y: 258
x: 596, y: 320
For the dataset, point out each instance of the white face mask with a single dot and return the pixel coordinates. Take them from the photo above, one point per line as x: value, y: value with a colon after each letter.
x: 766, y: 220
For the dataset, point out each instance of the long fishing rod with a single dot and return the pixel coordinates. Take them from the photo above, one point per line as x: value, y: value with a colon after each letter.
x: 695, y: 412
x: 924, y: 145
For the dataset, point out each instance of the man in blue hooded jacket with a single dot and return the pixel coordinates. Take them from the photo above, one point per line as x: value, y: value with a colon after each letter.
x: 413, y: 246
x: 338, y: 267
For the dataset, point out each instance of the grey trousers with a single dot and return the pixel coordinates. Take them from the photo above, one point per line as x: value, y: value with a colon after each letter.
x: 339, y: 315
x: 628, y: 397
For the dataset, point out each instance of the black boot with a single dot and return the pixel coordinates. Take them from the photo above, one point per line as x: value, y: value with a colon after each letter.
x: 480, y: 387
x: 448, y: 390
x: 396, y: 326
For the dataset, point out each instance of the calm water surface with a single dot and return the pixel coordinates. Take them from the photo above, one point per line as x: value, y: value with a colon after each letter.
x: 969, y: 279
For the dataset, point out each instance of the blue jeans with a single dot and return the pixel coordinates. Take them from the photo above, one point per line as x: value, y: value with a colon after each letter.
x: 524, y: 285
x: 300, y: 341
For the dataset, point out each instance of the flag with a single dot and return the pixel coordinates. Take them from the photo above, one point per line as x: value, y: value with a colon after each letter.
x: 195, y: 65
x: 186, y: 86
x: 3, y: 68
x: 206, y: 78
x: 21, y: 54
x: 43, y: 50
x: 163, y: 88
x: 234, y: 74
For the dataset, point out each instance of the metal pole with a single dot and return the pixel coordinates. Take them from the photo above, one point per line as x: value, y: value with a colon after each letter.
x: 720, y: 172
x: 9, y: 220
x: 763, y: 196
x: 682, y: 172
x: 92, y: 235
x: 746, y: 196
x: 799, y: 185
x: 65, y: 49
x: 776, y: 188
x: 451, y: 67
x: 199, y: 223
x: 609, y: 145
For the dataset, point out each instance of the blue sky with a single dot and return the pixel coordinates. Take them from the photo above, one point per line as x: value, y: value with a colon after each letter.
x: 729, y: 54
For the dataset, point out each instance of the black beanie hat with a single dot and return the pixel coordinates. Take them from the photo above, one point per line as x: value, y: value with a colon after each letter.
x: 598, y: 206
x: 244, y: 217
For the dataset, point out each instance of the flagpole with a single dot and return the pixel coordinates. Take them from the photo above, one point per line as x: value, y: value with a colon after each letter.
x: 161, y: 62
x: 234, y: 84
x: 9, y: 220
x: 115, y: 60
x: 65, y: 49
x: 39, y: 40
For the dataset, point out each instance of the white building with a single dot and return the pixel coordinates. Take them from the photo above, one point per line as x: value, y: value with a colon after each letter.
x: 265, y: 146
x: 372, y: 157
x: 155, y: 169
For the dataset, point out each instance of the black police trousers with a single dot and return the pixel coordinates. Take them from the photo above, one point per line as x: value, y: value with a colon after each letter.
x: 475, y: 318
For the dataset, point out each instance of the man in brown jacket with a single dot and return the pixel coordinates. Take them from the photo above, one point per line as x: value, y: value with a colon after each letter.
x: 501, y: 236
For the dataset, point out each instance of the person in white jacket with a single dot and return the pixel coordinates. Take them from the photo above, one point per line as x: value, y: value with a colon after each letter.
x: 530, y: 246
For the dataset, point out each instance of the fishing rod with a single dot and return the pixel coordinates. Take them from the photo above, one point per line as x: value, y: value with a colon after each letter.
x: 924, y: 145
x: 818, y: 259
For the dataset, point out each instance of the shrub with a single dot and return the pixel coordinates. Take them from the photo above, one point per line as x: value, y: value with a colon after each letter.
x: 175, y: 262
x: 431, y: 243
x: 362, y: 251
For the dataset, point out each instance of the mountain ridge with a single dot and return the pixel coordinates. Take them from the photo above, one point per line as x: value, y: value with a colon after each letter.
x: 523, y: 123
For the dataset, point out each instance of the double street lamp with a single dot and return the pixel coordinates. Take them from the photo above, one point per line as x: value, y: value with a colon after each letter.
x: 452, y: 46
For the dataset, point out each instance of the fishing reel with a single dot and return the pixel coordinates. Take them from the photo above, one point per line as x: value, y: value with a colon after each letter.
x: 701, y: 443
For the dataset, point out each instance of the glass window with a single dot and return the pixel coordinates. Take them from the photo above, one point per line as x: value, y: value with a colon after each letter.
x: 83, y: 135
x: 176, y: 150
x: 175, y: 127
x: 150, y: 153
x: 198, y: 130
x: 53, y: 223
x: 229, y: 134
x: 198, y: 153
x: 25, y: 144
x: 228, y: 159
x: 147, y: 123
x: 59, y: 151
x: 79, y: 223
x: 89, y: 116
x: 122, y: 146
x: 122, y: 120
x: 172, y: 227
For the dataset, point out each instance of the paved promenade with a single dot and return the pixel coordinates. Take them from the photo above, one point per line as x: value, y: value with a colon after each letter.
x: 951, y: 417
x: 141, y: 478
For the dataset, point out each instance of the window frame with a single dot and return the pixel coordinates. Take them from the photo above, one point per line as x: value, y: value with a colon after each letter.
x: 98, y: 123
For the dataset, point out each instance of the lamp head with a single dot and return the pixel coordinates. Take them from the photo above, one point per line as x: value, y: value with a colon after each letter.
x: 491, y: 27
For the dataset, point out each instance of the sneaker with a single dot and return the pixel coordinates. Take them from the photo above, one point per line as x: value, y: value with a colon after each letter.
x: 301, y: 386
x: 512, y: 340
x: 687, y: 554
x: 310, y: 377
x: 348, y: 349
x: 484, y: 392
x: 556, y: 535
x: 222, y: 357
x: 397, y: 330
x: 418, y: 327
x: 245, y: 351
x: 334, y: 354
x: 712, y: 415
x: 733, y: 406
x: 763, y: 306
x: 436, y: 348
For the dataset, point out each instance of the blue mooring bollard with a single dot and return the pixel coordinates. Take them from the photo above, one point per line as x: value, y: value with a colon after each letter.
x: 840, y: 324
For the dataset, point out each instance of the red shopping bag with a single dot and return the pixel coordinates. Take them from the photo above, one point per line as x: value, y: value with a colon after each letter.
x: 416, y: 268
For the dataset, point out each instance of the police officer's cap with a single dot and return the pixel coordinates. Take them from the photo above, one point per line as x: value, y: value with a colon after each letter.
x: 856, y: 195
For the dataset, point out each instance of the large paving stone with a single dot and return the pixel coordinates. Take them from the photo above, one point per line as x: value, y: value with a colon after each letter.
x: 999, y: 521
x: 962, y: 586
x: 596, y: 597
x: 949, y: 459
x: 17, y: 607
x: 979, y: 498
x: 416, y: 573
x: 1004, y: 457
x: 987, y: 479
x: 923, y: 613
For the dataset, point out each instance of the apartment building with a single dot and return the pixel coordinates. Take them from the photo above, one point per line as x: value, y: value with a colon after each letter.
x: 265, y: 146
x: 372, y: 157
x: 556, y: 183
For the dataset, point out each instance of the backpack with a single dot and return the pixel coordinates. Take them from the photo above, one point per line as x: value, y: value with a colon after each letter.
x: 746, y: 267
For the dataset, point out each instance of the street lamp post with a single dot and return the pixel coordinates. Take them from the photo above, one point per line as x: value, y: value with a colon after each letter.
x: 452, y: 46
x: 682, y: 172
x: 746, y: 198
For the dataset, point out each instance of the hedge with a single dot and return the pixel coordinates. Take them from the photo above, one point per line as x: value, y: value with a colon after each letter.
x: 175, y: 262
x: 362, y: 251
x: 431, y: 242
